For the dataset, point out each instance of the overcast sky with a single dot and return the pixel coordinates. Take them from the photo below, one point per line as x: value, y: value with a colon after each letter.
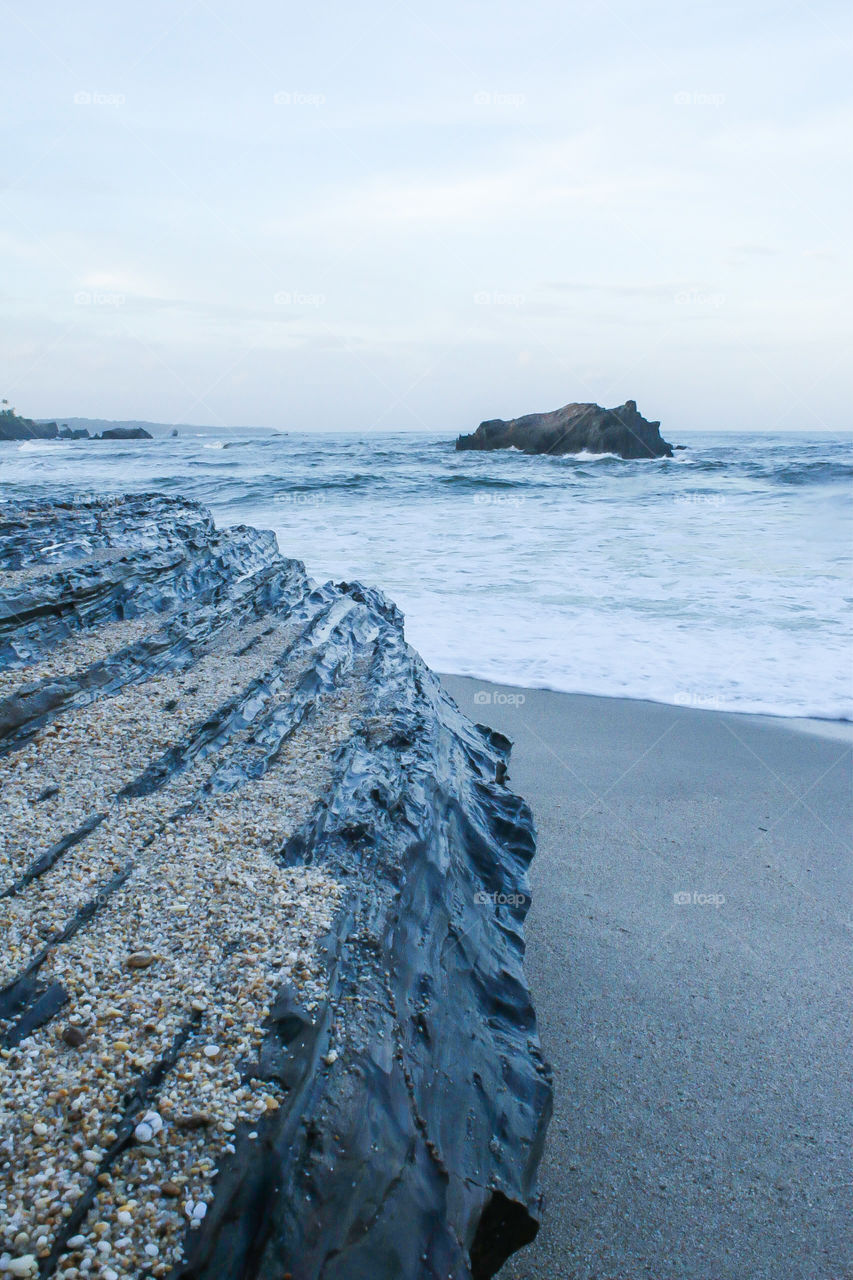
x: 397, y: 216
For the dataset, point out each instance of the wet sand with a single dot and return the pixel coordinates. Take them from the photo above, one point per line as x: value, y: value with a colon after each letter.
x: 689, y: 954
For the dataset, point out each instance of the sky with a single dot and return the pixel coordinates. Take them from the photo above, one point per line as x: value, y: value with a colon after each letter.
x: 389, y: 216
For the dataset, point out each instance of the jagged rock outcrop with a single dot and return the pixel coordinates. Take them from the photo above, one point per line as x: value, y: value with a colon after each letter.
x: 14, y: 427
x: 576, y: 428
x: 125, y: 433
x: 262, y: 890
x: 73, y: 433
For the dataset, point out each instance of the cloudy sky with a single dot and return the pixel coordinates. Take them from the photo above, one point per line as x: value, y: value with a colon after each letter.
x: 399, y: 216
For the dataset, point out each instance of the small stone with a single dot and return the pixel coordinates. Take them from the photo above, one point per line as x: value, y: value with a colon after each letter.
x: 154, y: 1120
x: 39, y: 1129
x: 143, y: 1132
x: 152, y: 1251
x: 199, y: 1210
x: 76, y: 1242
x: 139, y: 960
x: 169, y: 1189
x: 331, y: 1056
x: 211, y: 1050
x: 197, y: 1120
x: 73, y: 1036
x: 26, y: 1265
x: 125, y: 1217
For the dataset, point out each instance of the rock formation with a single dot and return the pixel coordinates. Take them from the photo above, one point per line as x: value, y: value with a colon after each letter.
x: 576, y: 428
x: 14, y: 427
x: 125, y: 433
x: 261, y: 894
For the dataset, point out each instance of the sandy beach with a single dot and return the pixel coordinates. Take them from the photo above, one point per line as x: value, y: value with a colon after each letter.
x: 689, y: 958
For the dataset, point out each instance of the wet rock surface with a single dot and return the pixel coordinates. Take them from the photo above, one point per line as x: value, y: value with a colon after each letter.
x: 262, y: 890
x: 576, y: 428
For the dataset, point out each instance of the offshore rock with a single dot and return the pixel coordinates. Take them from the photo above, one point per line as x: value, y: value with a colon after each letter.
x: 576, y: 428
x: 125, y: 433
x: 330, y: 1067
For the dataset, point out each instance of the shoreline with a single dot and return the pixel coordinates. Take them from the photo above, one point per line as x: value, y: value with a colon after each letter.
x: 686, y: 953
x: 840, y: 727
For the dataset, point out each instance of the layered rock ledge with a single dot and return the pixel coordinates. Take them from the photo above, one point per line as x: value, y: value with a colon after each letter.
x: 262, y: 889
x: 576, y: 428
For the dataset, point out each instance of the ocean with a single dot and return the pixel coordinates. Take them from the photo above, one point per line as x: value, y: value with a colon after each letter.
x: 721, y: 578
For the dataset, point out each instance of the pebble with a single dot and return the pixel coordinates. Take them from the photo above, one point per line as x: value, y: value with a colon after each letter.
x: 139, y: 960
x: 197, y: 1120
x: 73, y: 1036
x: 154, y: 1121
x: 23, y: 1266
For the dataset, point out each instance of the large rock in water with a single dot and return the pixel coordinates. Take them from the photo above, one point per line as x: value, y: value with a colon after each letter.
x: 576, y: 428
x: 262, y: 897
x: 125, y: 433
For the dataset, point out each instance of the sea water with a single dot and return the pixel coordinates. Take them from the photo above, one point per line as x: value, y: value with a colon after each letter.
x: 720, y: 578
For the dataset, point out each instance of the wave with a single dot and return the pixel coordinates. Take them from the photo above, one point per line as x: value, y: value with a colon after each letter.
x: 483, y: 482
x: 821, y: 472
